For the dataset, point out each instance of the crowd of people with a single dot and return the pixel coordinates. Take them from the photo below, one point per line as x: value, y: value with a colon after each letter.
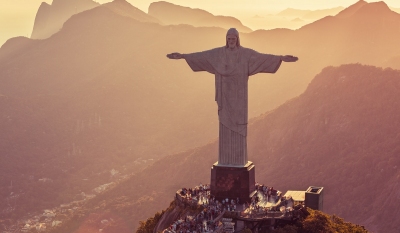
x: 192, y: 224
x: 203, y: 221
x: 214, y: 209
x: 200, y: 195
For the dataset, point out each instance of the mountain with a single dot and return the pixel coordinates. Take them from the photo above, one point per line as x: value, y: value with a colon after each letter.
x: 286, y: 18
x: 173, y: 14
x: 353, y: 34
x: 308, y: 14
x: 341, y: 133
x: 349, y: 11
x: 15, y: 46
x: 123, y: 8
x: 297, y: 20
x: 100, y: 95
x: 50, y: 18
x: 290, y: 12
x: 318, y: 14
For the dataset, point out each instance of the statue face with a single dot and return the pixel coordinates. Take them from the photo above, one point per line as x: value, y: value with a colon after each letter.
x: 232, y: 40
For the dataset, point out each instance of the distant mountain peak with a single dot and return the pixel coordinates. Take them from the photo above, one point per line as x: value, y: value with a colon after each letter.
x: 50, y: 18
x: 364, y: 9
x: 124, y: 8
x: 44, y: 4
x: 122, y: 1
x: 173, y: 14
x: 376, y: 6
x: 349, y: 11
x: 297, y: 20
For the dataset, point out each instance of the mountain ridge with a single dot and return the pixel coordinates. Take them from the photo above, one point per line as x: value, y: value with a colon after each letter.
x: 349, y: 11
x: 50, y: 18
x: 173, y: 14
x: 124, y: 8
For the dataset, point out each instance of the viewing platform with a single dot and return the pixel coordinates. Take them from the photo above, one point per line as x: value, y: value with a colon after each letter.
x: 267, y: 208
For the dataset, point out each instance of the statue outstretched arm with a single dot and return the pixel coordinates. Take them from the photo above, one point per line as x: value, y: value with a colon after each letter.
x: 175, y: 56
x: 289, y: 58
x: 198, y: 61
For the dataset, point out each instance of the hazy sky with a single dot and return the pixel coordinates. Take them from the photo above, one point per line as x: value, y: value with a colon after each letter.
x: 17, y: 16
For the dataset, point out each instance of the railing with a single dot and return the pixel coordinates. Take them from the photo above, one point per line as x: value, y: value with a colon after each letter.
x: 264, y: 215
x: 184, y: 200
x: 254, y: 215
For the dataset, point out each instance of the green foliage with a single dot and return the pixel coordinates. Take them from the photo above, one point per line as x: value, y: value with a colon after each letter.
x: 319, y: 222
x: 149, y: 225
x: 341, y: 226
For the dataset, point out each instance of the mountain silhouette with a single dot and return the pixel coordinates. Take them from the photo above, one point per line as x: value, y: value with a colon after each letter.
x: 318, y: 14
x: 15, y: 46
x: 170, y: 13
x: 376, y: 9
x: 349, y: 11
x: 291, y: 12
x: 100, y: 94
x: 297, y: 20
x: 363, y: 32
x: 50, y: 18
x: 287, y: 18
x: 341, y: 133
x: 123, y: 8
x: 309, y: 14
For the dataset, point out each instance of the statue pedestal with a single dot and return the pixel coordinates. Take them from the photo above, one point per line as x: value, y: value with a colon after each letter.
x: 233, y: 181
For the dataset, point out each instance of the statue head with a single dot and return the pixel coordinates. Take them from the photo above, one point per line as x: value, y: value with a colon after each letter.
x: 232, y: 38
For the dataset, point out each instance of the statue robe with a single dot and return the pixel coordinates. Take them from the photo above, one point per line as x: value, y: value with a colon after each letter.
x: 232, y: 70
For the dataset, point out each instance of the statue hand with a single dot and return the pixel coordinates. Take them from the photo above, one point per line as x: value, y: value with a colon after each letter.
x: 289, y: 58
x: 175, y: 56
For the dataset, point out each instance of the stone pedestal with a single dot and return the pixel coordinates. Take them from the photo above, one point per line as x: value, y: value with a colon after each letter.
x: 233, y: 181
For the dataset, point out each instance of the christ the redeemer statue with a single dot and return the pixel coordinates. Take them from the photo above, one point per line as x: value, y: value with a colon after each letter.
x: 232, y: 65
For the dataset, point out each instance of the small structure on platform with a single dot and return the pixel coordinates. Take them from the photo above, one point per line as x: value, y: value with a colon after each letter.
x: 297, y: 196
x: 315, y: 198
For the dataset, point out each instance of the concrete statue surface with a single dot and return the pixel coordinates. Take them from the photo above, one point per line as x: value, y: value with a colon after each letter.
x: 232, y: 65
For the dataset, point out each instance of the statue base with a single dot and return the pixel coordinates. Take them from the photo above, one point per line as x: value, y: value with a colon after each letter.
x: 233, y: 182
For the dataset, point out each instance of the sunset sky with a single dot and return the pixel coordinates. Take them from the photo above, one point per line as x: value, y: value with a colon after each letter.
x: 17, y: 16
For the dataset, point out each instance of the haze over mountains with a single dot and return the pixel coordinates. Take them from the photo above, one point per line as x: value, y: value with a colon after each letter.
x: 291, y: 18
x: 341, y: 133
x: 309, y: 14
x: 100, y: 94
